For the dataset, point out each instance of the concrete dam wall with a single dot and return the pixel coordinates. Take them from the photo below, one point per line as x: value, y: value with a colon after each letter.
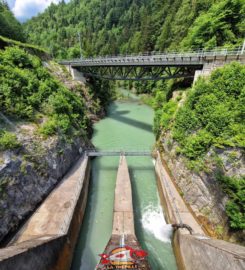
x: 48, y: 238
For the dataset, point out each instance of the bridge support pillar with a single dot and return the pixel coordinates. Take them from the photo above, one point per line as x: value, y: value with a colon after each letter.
x: 76, y: 75
x: 208, y: 67
x: 207, y: 70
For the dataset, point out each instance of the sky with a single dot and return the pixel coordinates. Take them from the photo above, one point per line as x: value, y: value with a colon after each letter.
x: 25, y: 9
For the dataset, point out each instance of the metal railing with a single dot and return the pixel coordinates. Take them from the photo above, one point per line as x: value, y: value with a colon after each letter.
x: 158, y: 56
x: 118, y: 152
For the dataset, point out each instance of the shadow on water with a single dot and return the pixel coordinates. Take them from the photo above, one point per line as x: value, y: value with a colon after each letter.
x: 84, y: 257
x: 81, y: 248
x: 118, y: 116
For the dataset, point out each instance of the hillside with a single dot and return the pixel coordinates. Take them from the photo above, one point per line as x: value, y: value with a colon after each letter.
x: 45, y: 121
x: 132, y: 26
x: 201, y: 132
x: 9, y: 26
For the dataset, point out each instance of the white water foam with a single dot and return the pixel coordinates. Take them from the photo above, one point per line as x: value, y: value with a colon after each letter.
x: 153, y: 222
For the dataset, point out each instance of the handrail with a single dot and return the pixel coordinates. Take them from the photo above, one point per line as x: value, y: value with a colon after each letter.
x: 154, y: 56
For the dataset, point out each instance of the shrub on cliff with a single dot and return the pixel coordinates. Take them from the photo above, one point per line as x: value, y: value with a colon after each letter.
x: 27, y: 88
x: 213, y: 113
x: 235, y: 189
x: 8, y: 140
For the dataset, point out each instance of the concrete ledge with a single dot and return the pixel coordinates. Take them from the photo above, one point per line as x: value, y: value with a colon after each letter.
x: 48, y: 238
x: 123, y: 217
x: 177, y: 210
x: 35, y: 254
x: 202, y: 254
x: 197, y: 251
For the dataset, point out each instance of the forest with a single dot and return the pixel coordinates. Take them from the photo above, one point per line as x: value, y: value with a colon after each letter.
x: 98, y: 27
x: 9, y: 26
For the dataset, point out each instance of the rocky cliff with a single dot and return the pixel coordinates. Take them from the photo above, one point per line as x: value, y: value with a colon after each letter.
x: 200, y: 188
x: 29, y: 172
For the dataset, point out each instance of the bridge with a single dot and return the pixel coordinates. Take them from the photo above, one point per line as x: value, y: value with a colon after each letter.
x: 111, y: 153
x: 152, y: 66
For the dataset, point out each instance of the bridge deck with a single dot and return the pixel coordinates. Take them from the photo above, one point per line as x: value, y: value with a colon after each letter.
x: 157, y: 59
x: 151, y: 67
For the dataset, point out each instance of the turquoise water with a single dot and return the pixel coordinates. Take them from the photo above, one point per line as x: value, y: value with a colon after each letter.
x: 128, y: 126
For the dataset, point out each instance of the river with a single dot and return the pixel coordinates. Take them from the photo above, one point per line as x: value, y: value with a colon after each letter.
x: 128, y: 126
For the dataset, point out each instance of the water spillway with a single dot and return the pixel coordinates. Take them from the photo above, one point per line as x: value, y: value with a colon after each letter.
x: 127, y: 126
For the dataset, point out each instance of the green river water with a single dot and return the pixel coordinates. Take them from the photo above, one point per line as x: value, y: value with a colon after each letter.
x: 127, y: 126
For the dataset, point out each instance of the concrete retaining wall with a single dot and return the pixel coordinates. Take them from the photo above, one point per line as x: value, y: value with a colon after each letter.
x: 48, y: 238
x: 196, y: 251
x: 76, y: 74
x: 210, y: 66
x: 202, y: 254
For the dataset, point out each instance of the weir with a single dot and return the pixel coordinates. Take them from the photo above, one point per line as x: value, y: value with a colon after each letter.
x: 123, y: 250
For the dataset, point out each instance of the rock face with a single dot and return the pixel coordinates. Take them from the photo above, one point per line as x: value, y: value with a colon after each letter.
x: 27, y: 176
x: 200, y: 189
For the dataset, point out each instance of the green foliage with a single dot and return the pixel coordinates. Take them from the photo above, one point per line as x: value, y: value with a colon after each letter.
x: 103, y: 92
x: 196, y: 145
x: 213, y: 113
x: 235, y: 189
x: 23, y: 83
x: 8, y: 140
x: 125, y: 26
x: 9, y: 26
x: 57, y: 123
x: 28, y: 89
x: 164, y: 116
x: 223, y: 24
x: 30, y: 48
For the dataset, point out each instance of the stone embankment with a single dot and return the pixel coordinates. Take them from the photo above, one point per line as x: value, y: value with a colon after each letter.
x: 200, y: 189
x: 197, y: 251
x: 47, y: 239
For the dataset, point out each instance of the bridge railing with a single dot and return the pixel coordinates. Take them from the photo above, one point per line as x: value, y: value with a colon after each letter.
x: 160, y: 56
x: 117, y: 152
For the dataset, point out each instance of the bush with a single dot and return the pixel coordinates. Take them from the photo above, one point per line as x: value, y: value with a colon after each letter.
x: 8, y: 141
x: 28, y: 89
x: 48, y: 128
x: 196, y: 145
x: 235, y: 189
x: 164, y: 116
x: 213, y: 113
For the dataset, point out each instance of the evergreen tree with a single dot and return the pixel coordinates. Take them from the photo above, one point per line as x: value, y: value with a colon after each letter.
x: 9, y: 26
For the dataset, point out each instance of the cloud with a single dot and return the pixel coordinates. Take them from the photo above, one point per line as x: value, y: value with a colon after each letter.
x: 24, y: 9
x: 11, y: 3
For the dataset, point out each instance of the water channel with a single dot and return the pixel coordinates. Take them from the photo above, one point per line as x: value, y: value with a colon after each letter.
x: 127, y: 126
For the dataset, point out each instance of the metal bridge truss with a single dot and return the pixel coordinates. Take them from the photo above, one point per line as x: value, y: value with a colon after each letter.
x: 139, y: 72
x: 153, y: 66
